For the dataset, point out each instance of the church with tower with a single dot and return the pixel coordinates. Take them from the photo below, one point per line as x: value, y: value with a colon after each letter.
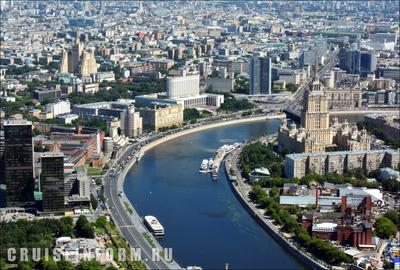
x: 317, y: 133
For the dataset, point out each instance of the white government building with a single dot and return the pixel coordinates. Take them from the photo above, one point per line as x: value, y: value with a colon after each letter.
x: 183, y: 86
x: 185, y: 90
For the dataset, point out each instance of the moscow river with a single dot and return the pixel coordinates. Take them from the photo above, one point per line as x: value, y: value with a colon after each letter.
x: 204, y: 223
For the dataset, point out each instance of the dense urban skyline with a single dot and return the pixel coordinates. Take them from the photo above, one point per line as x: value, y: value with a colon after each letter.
x: 152, y: 134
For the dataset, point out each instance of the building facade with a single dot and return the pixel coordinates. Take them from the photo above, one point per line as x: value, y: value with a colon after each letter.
x: 386, y: 122
x: 131, y: 122
x: 183, y: 86
x: 260, y: 76
x: 344, y: 99
x: 161, y: 116
x: 52, y: 182
x: 299, y: 165
x: 17, y: 161
x: 60, y: 107
x: 316, y: 133
x: 77, y: 60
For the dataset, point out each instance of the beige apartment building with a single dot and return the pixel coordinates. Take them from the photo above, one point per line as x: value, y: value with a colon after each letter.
x: 299, y: 165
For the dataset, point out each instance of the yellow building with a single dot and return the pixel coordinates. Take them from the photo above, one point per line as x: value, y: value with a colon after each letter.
x: 315, y: 119
x: 316, y: 133
x: 162, y: 116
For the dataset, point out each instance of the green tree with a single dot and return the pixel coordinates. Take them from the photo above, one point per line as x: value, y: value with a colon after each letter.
x: 66, y: 226
x: 273, y: 192
x: 258, y: 155
x: 391, y: 185
x: 291, y: 87
x: 83, y: 228
x: 241, y: 85
x: 393, y: 216
x: 93, y: 202
x: 101, y: 222
x: 191, y: 114
x: 233, y: 105
x: 90, y: 265
x: 46, y: 264
x: 65, y: 265
x: 384, y: 228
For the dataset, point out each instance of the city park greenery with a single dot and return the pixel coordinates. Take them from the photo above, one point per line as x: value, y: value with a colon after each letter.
x: 104, y: 227
x: 19, y: 70
x: 42, y: 233
x: 241, y: 85
x: 393, y: 216
x: 257, y: 155
x: 193, y: 115
x: 108, y: 91
x: 231, y: 104
x: 111, y: 91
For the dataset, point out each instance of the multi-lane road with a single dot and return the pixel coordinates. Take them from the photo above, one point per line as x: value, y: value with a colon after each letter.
x: 130, y: 225
x: 295, y: 99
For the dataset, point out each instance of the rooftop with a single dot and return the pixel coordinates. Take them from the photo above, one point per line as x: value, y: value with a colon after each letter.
x: 16, y: 122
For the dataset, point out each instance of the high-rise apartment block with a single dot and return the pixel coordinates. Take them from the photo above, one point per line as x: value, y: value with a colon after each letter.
x: 17, y: 163
x: 260, y: 76
x: 131, y: 122
x: 52, y: 182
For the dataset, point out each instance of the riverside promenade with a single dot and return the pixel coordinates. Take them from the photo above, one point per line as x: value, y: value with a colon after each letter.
x: 208, y: 126
x: 241, y: 191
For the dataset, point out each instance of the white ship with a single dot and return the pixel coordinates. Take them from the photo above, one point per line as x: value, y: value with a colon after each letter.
x: 204, y: 168
x: 220, y: 156
x: 154, y: 226
x: 228, y: 148
x: 210, y: 163
x: 194, y: 267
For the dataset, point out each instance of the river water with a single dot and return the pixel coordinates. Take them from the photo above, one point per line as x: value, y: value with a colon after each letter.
x: 204, y: 223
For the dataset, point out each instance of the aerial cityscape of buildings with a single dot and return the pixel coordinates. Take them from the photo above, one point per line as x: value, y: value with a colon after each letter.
x: 87, y: 87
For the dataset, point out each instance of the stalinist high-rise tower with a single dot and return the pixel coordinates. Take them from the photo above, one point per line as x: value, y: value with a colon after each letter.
x: 87, y: 64
x: 64, y: 62
x: 78, y: 61
x: 315, y: 119
x: 316, y: 133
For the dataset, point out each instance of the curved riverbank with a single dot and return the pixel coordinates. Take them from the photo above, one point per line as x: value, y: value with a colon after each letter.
x: 204, y: 127
x: 134, y: 216
x: 257, y: 216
